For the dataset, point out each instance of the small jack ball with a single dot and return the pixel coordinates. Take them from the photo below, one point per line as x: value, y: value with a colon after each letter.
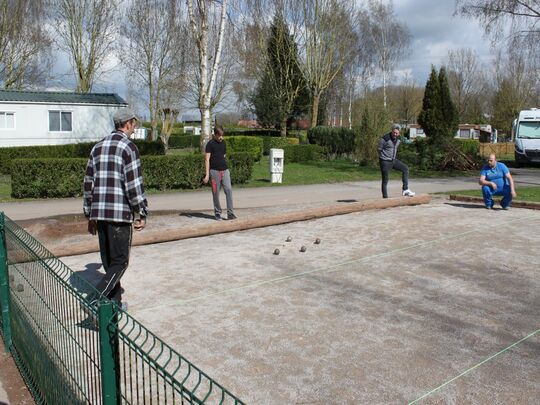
x: 20, y: 288
x: 317, y: 241
x: 288, y: 239
x: 276, y: 252
x: 303, y: 249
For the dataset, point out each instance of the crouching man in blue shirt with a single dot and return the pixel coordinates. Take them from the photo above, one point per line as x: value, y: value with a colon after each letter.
x: 495, y: 179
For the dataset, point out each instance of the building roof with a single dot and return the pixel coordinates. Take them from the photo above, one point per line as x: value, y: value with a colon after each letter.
x: 58, y: 97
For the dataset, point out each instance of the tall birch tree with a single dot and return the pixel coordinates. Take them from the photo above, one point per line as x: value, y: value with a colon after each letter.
x: 202, y: 14
x: 389, y: 39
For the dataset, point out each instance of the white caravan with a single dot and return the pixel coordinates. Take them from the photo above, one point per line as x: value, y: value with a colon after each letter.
x: 526, y: 135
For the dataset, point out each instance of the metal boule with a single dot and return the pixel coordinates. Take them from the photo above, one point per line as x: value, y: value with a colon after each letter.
x: 288, y: 239
x: 303, y: 249
x: 276, y: 252
x: 317, y: 241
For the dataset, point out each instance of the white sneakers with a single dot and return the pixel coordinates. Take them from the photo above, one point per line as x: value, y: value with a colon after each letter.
x: 408, y: 193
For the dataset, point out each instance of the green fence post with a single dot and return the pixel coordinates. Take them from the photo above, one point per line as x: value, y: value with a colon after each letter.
x: 108, y: 344
x: 4, y: 286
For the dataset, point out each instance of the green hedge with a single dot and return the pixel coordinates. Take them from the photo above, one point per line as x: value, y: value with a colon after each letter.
x: 336, y: 140
x: 249, y: 144
x: 73, y: 150
x: 251, y: 132
x: 303, y: 153
x: 47, y: 178
x: 426, y: 155
x: 55, y: 178
x: 276, y: 142
x: 184, y: 141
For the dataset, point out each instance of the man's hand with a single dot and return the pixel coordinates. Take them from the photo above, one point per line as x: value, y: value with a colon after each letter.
x: 205, y: 179
x: 139, y: 224
x: 92, y: 227
x: 514, y: 194
x: 493, y: 186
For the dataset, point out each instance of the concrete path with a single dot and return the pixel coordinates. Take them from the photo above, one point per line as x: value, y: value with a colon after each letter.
x: 267, y: 196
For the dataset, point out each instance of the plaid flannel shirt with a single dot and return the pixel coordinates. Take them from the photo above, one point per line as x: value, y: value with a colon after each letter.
x: 113, y: 184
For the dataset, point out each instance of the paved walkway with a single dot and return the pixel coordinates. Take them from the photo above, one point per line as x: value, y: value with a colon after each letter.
x: 247, y: 197
x: 267, y: 196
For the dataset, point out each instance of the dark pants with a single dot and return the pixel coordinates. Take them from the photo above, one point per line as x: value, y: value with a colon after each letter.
x: 386, y: 166
x: 114, y: 245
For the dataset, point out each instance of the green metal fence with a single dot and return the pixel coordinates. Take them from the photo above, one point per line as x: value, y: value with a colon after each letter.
x: 69, y: 353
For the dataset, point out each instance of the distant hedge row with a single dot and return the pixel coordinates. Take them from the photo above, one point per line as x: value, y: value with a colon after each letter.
x: 268, y: 142
x: 75, y: 150
x: 336, y: 140
x: 63, y: 177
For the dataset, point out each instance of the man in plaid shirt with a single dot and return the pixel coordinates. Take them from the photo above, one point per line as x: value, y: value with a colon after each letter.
x: 113, y: 194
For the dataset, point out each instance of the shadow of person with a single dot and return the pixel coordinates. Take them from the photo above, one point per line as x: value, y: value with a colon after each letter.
x: 197, y: 215
x: 465, y: 205
x: 84, y: 281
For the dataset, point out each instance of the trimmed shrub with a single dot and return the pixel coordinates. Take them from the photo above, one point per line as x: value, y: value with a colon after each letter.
x: 241, y: 167
x: 337, y: 141
x: 276, y: 142
x: 249, y: 144
x: 251, y: 132
x: 47, y: 178
x: 74, y: 150
x: 303, y: 153
x: 184, y: 141
x: 173, y: 171
x: 55, y: 178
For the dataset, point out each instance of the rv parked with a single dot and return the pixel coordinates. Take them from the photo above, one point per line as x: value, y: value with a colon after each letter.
x: 526, y: 136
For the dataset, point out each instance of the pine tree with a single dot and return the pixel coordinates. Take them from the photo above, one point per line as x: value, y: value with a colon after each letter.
x: 439, y: 116
x: 449, y: 111
x: 281, y: 90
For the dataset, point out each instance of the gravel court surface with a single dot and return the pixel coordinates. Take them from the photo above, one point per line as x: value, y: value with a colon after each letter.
x: 391, y: 304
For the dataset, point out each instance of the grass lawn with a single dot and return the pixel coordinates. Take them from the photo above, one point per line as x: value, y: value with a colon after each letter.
x: 531, y: 194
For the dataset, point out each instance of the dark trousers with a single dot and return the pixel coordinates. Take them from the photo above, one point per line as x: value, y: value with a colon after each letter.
x: 386, y: 166
x: 114, y: 246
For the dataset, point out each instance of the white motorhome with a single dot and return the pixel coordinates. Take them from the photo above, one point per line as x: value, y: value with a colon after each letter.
x: 526, y: 136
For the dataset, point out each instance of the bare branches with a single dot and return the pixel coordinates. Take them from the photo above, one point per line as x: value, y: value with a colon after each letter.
x: 156, y: 39
x: 86, y: 29
x: 521, y: 17
x: 24, y: 44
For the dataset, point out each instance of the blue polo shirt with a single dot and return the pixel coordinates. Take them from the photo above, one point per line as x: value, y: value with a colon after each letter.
x: 496, y: 174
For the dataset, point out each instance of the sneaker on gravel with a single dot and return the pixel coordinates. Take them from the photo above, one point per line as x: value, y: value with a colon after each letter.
x: 218, y: 217
x: 408, y: 193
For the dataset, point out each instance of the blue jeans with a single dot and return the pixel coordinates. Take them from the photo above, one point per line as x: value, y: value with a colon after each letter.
x: 488, y: 194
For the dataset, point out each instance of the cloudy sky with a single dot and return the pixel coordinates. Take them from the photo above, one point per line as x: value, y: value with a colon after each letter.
x: 434, y: 32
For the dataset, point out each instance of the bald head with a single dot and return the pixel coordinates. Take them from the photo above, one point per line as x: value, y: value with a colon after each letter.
x: 492, y: 160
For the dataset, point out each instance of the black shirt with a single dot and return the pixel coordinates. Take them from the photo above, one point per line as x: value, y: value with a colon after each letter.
x: 217, y: 152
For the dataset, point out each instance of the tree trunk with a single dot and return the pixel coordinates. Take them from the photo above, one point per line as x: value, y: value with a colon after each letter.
x: 283, y: 129
x: 315, y: 110
x: 206, y: 126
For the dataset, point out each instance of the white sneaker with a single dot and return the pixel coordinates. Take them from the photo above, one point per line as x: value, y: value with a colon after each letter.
x: 408, y: 193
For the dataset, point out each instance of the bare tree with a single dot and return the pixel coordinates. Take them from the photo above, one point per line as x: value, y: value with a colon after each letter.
x: 86, y: 31
x: 326, y: 41
x: 517, y: 86
x: 466, y: 81
x: 24, y: 44
x: 156, y: 35
x: 388, y: 38
x: 208, y: 27
x: 408, y: 101
x: 521, y: 17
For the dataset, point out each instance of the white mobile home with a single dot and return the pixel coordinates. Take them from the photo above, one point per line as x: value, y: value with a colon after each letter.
x: 52, y: 118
